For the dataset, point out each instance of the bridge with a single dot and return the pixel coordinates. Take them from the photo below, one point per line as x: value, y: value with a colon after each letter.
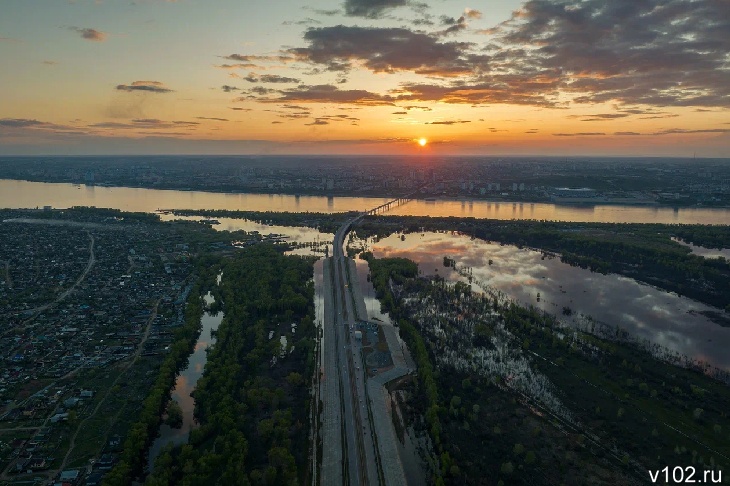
x: 391, y: 204
x: 350, y: 431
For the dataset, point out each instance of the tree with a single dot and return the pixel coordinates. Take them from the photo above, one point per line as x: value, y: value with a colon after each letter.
x: 697, y: 414
x: 530, y: 457
x: 174, y: 415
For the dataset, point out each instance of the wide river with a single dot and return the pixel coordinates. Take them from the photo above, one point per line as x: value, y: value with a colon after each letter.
x: 23, y: 194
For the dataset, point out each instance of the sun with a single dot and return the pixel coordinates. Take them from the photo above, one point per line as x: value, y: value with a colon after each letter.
x: 422, y: 142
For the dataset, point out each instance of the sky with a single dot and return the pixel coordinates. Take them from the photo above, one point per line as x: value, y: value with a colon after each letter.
x: 407, y: 77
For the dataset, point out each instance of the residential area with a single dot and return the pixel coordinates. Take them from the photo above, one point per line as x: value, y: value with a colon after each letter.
x: 88, y: 306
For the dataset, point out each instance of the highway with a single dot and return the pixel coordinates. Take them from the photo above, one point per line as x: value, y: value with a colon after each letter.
x: 350, y: 453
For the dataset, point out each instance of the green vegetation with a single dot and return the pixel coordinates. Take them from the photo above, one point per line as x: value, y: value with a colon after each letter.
x: 143, y: 432
x: 252, y: 401
x: 174, y: 415
x: 619, y: 410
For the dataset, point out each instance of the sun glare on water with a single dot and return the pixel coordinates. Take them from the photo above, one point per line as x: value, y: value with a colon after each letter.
x: 422, y: 142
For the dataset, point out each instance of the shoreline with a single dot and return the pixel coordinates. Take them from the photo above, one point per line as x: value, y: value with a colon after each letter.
x: 425, y: 198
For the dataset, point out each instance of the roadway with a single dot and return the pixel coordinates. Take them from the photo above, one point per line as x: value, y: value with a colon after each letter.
x: 350, y: 452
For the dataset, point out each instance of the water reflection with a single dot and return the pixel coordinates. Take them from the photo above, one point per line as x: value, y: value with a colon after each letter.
x: 23, y: 194
x: 293, y: 234
x: 705, y: 252
x: 372, y: 304
x: 646, y: 312
x: 185, y: 384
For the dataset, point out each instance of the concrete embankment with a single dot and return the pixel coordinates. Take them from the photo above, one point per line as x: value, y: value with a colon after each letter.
x: 378, y: 396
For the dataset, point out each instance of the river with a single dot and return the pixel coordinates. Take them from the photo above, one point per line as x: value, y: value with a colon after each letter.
x: 185, y: 384
x: 23, y: 194
x: 663, y: 318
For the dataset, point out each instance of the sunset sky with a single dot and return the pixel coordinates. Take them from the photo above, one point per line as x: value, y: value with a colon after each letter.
x: 543, y: 77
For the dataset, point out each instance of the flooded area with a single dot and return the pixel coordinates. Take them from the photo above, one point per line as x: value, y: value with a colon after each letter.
x: 521, y: 274
x: 185, y: 384
x: 291, y: 234
x: 24, y: 194
x: 408, y: 442
x: 705, y: 252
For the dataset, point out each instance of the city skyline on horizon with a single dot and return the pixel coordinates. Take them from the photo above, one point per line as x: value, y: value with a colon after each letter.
x: 593, y: 78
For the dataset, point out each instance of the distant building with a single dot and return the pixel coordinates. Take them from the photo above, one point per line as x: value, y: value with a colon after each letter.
x: 570, y: 192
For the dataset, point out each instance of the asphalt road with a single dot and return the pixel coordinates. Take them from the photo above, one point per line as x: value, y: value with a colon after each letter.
x: 351, y: 453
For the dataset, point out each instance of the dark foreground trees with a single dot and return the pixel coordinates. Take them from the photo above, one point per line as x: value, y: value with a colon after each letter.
x: 252, y: 402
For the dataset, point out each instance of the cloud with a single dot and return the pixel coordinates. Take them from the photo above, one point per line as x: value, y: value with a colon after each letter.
x: 256, y: 58
x: 324, y: 12
x: 371, y: 9
x: 654, y: 117
x: 538, y: 92
x: 650, y: 52
x: 296, y: 115
x: 600, y: 116
x: 550, y: 53
x: 399, y: 113
x: 90, y: 34
x: 448, y: 122
x: 318, y: 121
x: 19, y: 122
x: 19, y: 125
x: 580, y: 134
x: 381, y: 50
x: 248, y: 65
x: 680, y: 131
x: 144, y: 86
x: 627, y: 133
x: 338, y: 118
x: 326, y: 93
x: 261, y: 90
x: 145, y: 123
x: 416, y: 107
x: 228, y: 88
x: 454, y: 25
x: 269, y: 78
x: 306, y: 21
x: 211, y: 118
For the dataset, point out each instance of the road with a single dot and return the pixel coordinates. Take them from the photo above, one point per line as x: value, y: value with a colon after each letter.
x: 350, y: 452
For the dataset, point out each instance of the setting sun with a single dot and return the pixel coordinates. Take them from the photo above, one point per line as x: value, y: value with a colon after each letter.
x: 422, y: 142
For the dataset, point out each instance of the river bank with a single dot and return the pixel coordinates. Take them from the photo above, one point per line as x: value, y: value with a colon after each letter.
x: 20, y: 194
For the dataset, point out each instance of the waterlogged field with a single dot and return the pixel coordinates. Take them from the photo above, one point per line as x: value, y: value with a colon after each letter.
x: 532, y: 278
x: 508, y: 394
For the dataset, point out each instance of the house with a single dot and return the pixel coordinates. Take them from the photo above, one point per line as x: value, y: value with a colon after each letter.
x: 105, y: 462
x: 94, y: 479
x: 69, y: 476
